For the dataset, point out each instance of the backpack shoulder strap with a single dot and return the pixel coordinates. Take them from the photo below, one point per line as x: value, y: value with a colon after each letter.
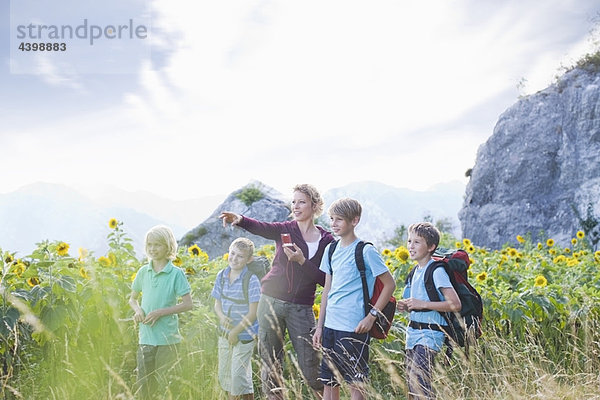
x: 332, y: 247
x: 428, y: 280
x: 430, y: 285
x: 245, y: 284
x: 360, y: 264
x: 409, y: 276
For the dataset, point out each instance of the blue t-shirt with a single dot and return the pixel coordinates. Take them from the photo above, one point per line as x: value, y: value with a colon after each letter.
x: 234, y: 290
x: 426, y: 337
x: 345, y: 304
x: 160, y: 290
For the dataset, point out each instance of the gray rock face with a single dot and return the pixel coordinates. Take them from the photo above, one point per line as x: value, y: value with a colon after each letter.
x: 540, y: 170
x: 215, y: 239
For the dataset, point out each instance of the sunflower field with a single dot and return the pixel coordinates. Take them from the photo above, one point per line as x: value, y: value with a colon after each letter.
x: 66, y: 330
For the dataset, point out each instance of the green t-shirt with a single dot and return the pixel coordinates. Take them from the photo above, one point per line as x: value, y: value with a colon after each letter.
x: 160, y: 290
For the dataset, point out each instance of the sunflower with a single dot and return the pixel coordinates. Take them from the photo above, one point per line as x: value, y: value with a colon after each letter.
x: 481, y: 277
x: 83, y: 253
x: 540, y: 246
x: 226, y: 256
x: 190, y: 271
x: 104, y: 261
x: 580, y: 234
x: 550, y: 242
x: 466, y: 242
x: 512, y: 252
x: 540, y: 281
x: 401, y: 254
x: 457, y: 245
x: 83, y: 273
x: 573, y: 241
x: 112, y: 223
x: 316, y: 309
x: 62, y: 249
x: 386, y: 252
x: 19, y: 268
x: 520, y: 239
x: 33, y: 281
x: 9, y: 258
x: 194, y: 250
x: 177, y: 261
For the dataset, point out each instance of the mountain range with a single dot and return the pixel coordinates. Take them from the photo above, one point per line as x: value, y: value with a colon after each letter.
x: 44, y: 211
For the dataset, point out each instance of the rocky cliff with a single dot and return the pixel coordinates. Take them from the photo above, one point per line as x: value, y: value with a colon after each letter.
x: 540, y: 170
x: 254, y: 200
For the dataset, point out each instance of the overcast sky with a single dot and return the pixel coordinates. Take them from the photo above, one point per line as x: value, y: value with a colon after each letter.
x: 325, y: 92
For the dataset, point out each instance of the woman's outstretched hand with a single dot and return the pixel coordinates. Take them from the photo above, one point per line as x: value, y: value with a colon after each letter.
x: 230, y: 218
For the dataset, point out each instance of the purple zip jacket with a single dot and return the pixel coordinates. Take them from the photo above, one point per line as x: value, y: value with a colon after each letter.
x: 287, y: 280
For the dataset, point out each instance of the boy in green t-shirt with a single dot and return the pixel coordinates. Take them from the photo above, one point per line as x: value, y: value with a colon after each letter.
x: 162, y: 284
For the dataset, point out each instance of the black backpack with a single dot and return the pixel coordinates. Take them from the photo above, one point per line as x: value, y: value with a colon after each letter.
x: 259, y: 266
x: 464, y: 327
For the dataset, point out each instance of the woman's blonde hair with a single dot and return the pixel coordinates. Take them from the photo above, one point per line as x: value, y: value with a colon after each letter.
x: 314, y: 196
x: 165, y: 235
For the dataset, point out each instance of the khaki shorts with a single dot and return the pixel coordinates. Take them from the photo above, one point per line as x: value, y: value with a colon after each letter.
x: 235, y: 367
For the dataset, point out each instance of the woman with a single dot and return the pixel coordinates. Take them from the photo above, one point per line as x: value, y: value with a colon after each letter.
x: 288, y: 290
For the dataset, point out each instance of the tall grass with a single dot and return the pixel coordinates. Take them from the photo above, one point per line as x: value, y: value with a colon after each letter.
x: 67, y: 336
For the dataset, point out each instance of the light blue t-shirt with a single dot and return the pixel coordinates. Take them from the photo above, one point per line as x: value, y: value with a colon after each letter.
x: 345, y: 304
x: 160, y: 290
x: 426, y: 337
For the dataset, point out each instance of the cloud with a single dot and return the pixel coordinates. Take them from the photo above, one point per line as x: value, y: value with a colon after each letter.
x: 327, y: 92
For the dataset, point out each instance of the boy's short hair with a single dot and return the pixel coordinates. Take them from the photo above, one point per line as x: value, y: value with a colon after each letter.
x: 346, y: 208
x: 427, y: 231
x: 165, y: 235
x: 244, y: 244
x: 314, y: 196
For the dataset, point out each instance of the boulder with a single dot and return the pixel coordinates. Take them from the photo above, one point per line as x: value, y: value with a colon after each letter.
x: 215, y: 239
x: 539, y: 172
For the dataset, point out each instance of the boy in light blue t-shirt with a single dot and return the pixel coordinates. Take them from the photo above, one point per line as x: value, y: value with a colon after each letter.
x: 161, y: 285
x: 342, y: 329
x: 422, y: 344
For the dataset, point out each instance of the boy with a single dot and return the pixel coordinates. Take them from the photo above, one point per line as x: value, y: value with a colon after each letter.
x: 238, y: 325
x: 343, y: 328
x: 162, y: 284
x: 422, y: 344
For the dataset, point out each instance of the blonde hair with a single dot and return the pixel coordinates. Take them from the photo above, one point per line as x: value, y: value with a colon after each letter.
x: 244, y: 244
x: 427, y: 231
x: 346, y: 208
x: 165, y: 235
x: 314, y: 196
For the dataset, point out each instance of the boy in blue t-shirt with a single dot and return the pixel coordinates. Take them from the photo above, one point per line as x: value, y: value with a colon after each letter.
x: 423, y: 344
x: 161, y: 284
x: 237, y: 320
x: 342, y: 329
